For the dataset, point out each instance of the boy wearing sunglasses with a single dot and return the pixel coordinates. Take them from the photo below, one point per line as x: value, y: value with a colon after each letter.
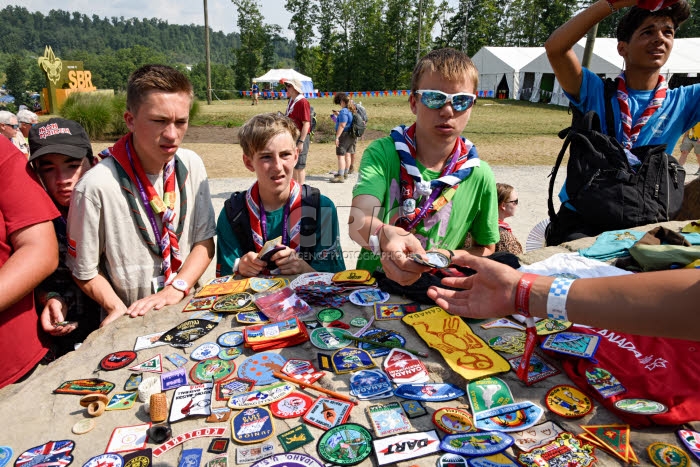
x: 424, y: 187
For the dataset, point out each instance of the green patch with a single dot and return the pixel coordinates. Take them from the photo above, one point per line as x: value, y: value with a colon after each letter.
x: 295, y: 438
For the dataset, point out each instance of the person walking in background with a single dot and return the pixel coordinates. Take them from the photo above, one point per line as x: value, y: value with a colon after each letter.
x: 344, y: 139
x: 299, y: 110
x: 9, y: 127
x: 507, y: 204
x: 691, y: 140
x: 256, y: 93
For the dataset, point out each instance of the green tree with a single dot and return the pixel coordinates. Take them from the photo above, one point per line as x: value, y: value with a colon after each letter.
x: 302, y: 23
x: 254, y: 38
x: 15, y: 81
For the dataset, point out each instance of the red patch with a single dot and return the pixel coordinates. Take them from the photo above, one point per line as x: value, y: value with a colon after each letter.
x: 72, y: 245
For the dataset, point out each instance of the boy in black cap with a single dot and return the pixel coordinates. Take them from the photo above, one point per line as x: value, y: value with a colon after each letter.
x: 60, y: 154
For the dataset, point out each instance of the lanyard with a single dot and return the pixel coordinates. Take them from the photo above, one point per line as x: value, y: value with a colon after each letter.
x: 144, y: 197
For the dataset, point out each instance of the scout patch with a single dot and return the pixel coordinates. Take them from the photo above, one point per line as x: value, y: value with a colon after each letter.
x: 141, y: 458
x: 388, y: 419
x: 497, y: 460
x: 429, y: 392
x: 641, y: 406
x: 536, y: 436
x: 211, y: 370
x: 282, y: 304
x: 80, y: 428
x: 251, y: 317
x: 179, y: 439
x: 122, y: 401
x: 190, y: 401
x: 260, y: 284
x: 152, y: 365
x: 550, y: 326
x: 263, y: 396
x: 368, y: 297
x: 406, y: 446
x: 568, y: 401
x: 128, y: 438
x: 294, y: 405
x: 512, y: 417
x: 346, y: 444
x: 53, y: 452
x: 203, y: 303
x: 230, y: 339
x: 225, y: 389
x: 292, y: 459
x: 691, y: 440
x: 295, y: 438
x: 451, y: 460
x: 133, y: 381
x: 111, y: 459
x: 227, y: 287
x: 604, y: 382
x: 566, y: 450
x: 252, y: 425
x: 324, y: 362
x: 148, y: 341
x: 452, y: 420
x: 358, y: 322
x: 208, y: 315
x: 279, y: 334
x: 354, y: 276
x: 259, y: 367
x: 503, y: 323
x: 329, y: 338
x: 302, y: 370
x: 173, y: 379
x: 615, y: 438
x: 234, y: 303
x: 219, y: 461
x: 229, y: 353
x: 187, y: 332
x: 218, y: 446
x: 370, y: 384
x: 404, y: 367
x: 177, y: 359
x: 348, y: 360
x: 538, y: 369
x: 487, y: 393
x: 572, y: 343
x: 328, y: 315
x: 383, y: 337
x: 476, y: 444
x: 510, y: 342
x: 117, y: 360
x: 413, y: 409
x: 204, y: 351
x: 219, y: 415
x: 84, y: 386
x: 6, y: 453
x: 190, y: 457
x: 249, y: 454
x: 326, y: 413
x: 384, y: 311
x: 465, y: 352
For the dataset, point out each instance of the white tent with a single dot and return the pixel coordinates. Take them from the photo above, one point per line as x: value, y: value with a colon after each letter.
x: 275, y: 75
x: 495, y: 63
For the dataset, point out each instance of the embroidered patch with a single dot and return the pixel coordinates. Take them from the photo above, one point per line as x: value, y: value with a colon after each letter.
x: 568, y: 401
x: 488, y: 393
x: 260, y: 367
x: 179, y: 439
x: 177, y: 360
x: 538, y: 370
x: 346, y: 444
x: 604, y: 382
x: 197, y: 304
x: 294, y: 405
x: 148, y: 341
x: 641, y: 406
x: 252, y: 425
x: 218, y: 446
x: 572, y: 343
x: 614, y: 438
x: 348, y: 360
x: 326, y: 413
x: 413, y: 409
x: 536, y: 436
x: 211, y: 370
x: 122, y: 401
x: 566, y: 449
x: 84, y: 386
x: 510, y: 342
x: 190, y: 401
x: 503, y: 323
x: 56, y: 452
x: 173, y: 379
x: 225, y: 389
x: 292, y: 459
x: 222, y: 286
x: 691, y: 440
x: 235, y: 303
x: 406, y: 446
x: 263, y: 396
x: 128, y: 438
x: 302, y: 370
x: 249, y: 454
x: 329, y: 338
x: 295, y: 438
x: 452, y: 420
x: 384, y: 311
x: 141, y: 458
x: 370, y: 384
x: 381, y: 336
x: 110, y: 459
x: 429, y: 392
x: 219, y: 415
x: 496, y: 460
x: 476, y: 444
x: 388, y: 419
x: 230, y: 339
x: 512, y: 417
x: 187, y: 332
x: 133, y: 381
x: 190, y: 457
x: 550, y: 326
x: 117, y: 360
x: 204, y: 351
x: 368, y: 297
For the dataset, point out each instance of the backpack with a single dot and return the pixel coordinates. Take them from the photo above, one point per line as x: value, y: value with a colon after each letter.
x: 357, y: 127
x: 606, y: 193
x: 313, y: 121
x: 362, y: 112
x: 237, y: 215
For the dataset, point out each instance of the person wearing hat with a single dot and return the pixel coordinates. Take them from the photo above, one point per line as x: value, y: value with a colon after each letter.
x: 26, y: 119
x: 299, y: 110
x: 60, y: 154
x: 9, y: 126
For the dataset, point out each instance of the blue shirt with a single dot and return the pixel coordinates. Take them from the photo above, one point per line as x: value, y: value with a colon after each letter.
x: 344, y: 116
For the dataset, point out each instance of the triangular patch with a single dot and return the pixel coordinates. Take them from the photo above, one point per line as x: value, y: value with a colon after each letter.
x: 613, y: 438
x: 153, y: 365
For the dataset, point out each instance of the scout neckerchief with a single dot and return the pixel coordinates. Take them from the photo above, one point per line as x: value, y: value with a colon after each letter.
x: 292, y: 103
x: 630, y: 132
x: 166, y: 237
x: 435, y: 194
x: 504, y: 225
x: 258, y: 218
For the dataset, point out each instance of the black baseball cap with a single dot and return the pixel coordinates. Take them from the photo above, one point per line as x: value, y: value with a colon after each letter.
x: 59, y: 136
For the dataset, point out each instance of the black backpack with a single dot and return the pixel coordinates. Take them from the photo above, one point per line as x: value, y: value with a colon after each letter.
x: 357, y: 127
x: 237, y: 214
x: 606, y: 193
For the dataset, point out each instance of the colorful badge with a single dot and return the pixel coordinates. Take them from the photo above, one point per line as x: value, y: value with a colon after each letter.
x: 388, y: 419
x: 263, y: 396
x: 148, y: 341
x: 465, y: 352
x: 641, y: 406
x: 218, y: 415
x: 128, y: 438
x: 230, y: 339
x: 208, y: 315
x: 6, y: 453
x: 691, y: 440
x: 84, y: 386
x: 550, y: 326
x: 117, y: 360
x: 370, y: 384
x: 211, y: 370
x: 179, y: 439
x: 302, y: 370
x: 229, y: 353
x: 140, y: 458
x: 133, y: 381
x: 538, y: 369
x: 503, y: 323
x: 413, y: 409
x: 173, y: 379
x: 355, y: 276
x: 604, y: 382
x: 328, y: 315
x: 260, y: 367
x: 295, y: 438
x: 568, y: 401
x: 187, y: 332
x: 348, y: 360
x: 218, y: 461
x: 225, y: 286
x: 111, y: 459
x: 294, y: 405
x: 218, y: 446
x: 292, y: 459
x: 346, y: 444
x: 381, y: 336
x: 177, y: 360
x: 249, y: 454
x: 406, y: 446
x: 190, y: 401
x: 358, y: 321
x: 51, y: 453
x: 326, y: 413
x: 122, y: 401
x: 204, y: 351
x: 234, y: 303
x: 510, y: 342
x: 405, y: 367
x: 429, y: 392
x: 252, y: 425
x: 152, y: 365
x: 190, y: 457
x: 487, y: 393
x: 572, y: 343
x: 536, y: 436
x: 368, y: 297
x: 383, y: 311
x: 197, y: 304
x: 329, y: 338
x: 251, y: 317
x: 512, y: 417
x: 476, y: 444
x: 496, y: 460
x: 565, y: 450
x: 261, y: 284
x: 452, y: 420
x: 614, y: 438
x: 451, y: 460
x: 225, y: 389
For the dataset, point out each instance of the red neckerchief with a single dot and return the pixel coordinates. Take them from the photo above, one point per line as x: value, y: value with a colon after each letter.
x: 125, y: 155
x: 292, y: 217
x: 630, y: 132
x: 504, y: 225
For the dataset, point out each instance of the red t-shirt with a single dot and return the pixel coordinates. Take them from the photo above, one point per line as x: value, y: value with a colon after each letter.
x: 300, y: 113
x: 23, y: 202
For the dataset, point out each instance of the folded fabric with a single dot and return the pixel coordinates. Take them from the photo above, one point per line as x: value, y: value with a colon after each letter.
x: 612, y: 244
x: 572, y: 265
x: 661, y: 257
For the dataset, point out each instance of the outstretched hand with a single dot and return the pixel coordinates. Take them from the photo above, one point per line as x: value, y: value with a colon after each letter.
x: 396, y: 245
x: 53, y: 314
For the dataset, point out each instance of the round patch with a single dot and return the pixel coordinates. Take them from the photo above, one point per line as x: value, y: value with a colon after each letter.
x: 204, y: 351
x: 312, y: 278
x: 641, y: 406
x: 229, y: 353
x: 212, y: 368
x: 437, y: 259
x: 259, y: 367
x: 111, y: 459
x: 358, y: 322
x: 230, y: 339
x: 329, y: 338
x: 346, y: 444
x: 568, y: 401
x: 83, y: 426
x: 451, y: 460
x: 328, y: 315
x: 294, y: 405
x: 234, y: 302
x: 368, y: 297
x: 289, y: 459
x: 117, y: 360
x: 451, y: 420
x: 666, y: 455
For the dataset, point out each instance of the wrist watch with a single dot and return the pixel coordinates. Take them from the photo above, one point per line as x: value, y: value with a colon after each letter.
x: 181, y: 285
x: 374, y: 244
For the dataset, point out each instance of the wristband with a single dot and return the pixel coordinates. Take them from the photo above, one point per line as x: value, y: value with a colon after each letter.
x: 374, y: 244
x: 300, y: 141
x: 522, y: 294
x: 556, y: 300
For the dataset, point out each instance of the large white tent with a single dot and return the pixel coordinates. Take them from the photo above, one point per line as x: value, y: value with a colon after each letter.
x: 277, y: 74
x: 495, y: 63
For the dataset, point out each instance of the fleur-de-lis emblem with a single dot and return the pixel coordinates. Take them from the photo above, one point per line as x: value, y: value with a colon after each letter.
x: 51, y: 64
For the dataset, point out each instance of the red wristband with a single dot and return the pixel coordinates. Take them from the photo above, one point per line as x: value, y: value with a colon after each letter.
x: 522, y: 294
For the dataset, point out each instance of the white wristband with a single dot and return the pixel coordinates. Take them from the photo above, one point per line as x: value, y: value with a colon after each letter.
x: 236, y: 263
x: 556, y: 300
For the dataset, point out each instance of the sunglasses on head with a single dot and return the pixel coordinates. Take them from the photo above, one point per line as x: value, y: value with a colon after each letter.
x: 433, y: 99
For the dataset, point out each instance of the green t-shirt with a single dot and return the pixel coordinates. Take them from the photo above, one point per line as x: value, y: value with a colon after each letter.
x: 328, y: 254
x: 473, y: 208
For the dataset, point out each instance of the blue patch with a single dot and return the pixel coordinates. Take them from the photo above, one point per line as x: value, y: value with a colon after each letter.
x: 429, y: 392
x: 177, y: 359
x: 368, y: 384
x: 5, y: 455
x: 510, y: 417
x: 190, y: 458
x: 476, y: 444
x: 252, y: 425
x: 348, y: 360
x: 380, y: 335
x: 230, y: 339
x: 173, y: 379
